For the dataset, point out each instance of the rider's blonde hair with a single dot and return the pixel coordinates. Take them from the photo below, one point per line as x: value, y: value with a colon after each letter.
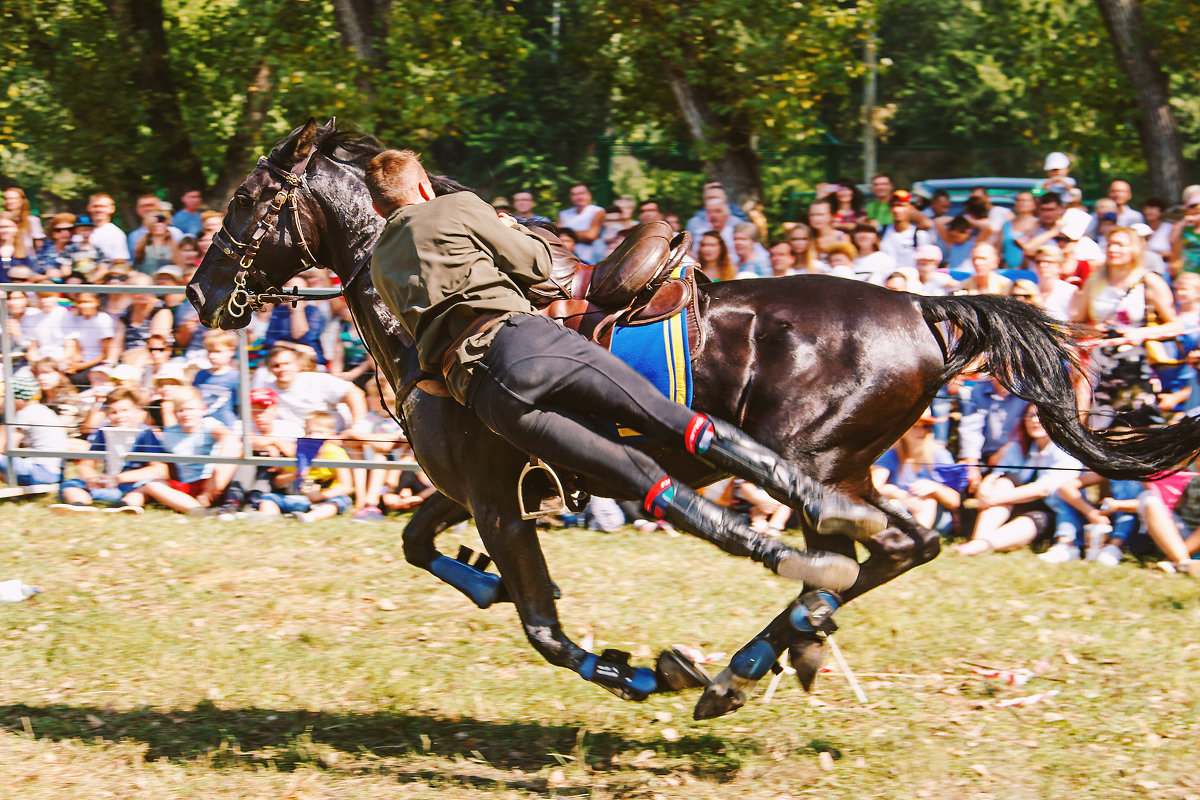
x: 393, y: 178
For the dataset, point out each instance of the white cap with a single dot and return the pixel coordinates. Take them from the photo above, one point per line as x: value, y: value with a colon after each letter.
x: 1074, y: 223
x: 1142, y: 229
x: 169, y: 269
x: 1056, y: 160
x: 124, y: 372
x: 171, y: 371
x: 929, y: 252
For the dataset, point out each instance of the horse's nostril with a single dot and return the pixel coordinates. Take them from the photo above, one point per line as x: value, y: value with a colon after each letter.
x: 194, y: 295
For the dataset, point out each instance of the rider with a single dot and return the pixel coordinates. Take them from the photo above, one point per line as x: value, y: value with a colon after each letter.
x: 454, y: 274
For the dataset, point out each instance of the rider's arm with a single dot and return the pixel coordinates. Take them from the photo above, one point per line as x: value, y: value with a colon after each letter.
x: 519, y: 254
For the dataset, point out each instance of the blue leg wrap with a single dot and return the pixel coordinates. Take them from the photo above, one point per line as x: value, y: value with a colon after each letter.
x: 754, y: 660
x: 630, y: 683
x: 481, y: 587
x: 815, y: 612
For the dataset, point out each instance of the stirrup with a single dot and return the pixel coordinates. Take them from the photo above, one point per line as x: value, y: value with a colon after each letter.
x: 563, y: 502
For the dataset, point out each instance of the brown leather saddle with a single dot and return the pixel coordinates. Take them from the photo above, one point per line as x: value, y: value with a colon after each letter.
x: 645, y: 280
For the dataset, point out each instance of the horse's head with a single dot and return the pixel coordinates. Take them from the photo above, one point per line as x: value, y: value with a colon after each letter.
x: 271, y: 232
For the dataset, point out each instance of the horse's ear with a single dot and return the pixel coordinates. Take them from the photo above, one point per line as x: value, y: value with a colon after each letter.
x: 331, y: 124
x: 306, y: 140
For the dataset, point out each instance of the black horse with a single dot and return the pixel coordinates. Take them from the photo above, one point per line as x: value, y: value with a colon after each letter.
x: 826, y: 371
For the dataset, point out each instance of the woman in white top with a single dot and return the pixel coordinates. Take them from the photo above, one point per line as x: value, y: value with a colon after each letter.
x: 1055, y: 293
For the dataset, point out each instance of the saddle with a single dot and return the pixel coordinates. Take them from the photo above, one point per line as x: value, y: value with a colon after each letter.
x: 642, y: 282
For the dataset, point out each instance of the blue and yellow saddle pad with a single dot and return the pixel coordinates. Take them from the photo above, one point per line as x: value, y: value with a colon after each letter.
x: 658, y: 351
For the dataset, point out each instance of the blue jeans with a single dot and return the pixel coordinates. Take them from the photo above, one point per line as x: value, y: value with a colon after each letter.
x: 29, y: 473
x: 106, y: 495
x: 293, y: 503
x: 1125, y: 525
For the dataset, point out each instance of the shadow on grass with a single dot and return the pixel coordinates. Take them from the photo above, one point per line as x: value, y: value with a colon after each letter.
x: 251, y: 738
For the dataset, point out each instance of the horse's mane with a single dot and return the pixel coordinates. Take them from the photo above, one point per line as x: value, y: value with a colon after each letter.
x: 359, y: 148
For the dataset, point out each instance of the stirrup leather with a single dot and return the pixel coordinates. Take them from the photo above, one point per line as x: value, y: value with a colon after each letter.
x: 563, y: 502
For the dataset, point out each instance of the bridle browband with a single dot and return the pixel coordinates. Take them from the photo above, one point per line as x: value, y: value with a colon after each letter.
x: 242, y: 299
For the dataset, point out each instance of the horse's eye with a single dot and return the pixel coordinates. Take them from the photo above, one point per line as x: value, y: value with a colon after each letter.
x: 243, y: 200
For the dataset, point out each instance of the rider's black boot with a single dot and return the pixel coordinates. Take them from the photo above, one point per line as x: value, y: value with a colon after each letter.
x: 728, y: 531
x: 827, y: 511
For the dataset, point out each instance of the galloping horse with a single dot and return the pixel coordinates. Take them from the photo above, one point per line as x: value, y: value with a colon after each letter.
x: 827, y: 372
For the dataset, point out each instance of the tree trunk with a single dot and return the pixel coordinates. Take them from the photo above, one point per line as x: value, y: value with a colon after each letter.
x: 177, y: 163
x: 363, y: 25
x: 737, y: 165
x: 1159, y: 132
x: 236, y: 161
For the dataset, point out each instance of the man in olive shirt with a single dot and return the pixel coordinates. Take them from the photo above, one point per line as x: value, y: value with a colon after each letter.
x: 455, y: 275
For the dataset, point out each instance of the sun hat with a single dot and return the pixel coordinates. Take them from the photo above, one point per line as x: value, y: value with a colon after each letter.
x: 1056, y: 160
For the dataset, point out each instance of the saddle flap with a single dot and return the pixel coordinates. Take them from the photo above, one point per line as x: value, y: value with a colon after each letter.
x: 638, y: 260
x: 670, y: 298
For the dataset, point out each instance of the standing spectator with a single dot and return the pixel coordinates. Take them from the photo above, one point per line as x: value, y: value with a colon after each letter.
x: 299, y: 324
x: 1154, y: 210
x: 37, y: 427
x: 1019, y: 229
x: 753, y: 259
x: 29, y: 227
x: 990, y: 415
x: 1058, y: 182
x: 156, y: 247
x: 713, y: 257
x: 1185, y: 238
x: 783, y: 263
x: 187, y: 219
x: 617, y: 220
x: 149, y: 208
x: 45, y: 331
x: 350, y: 361
x: 145, y: 315
x: 1017, y: 506
x: 933, y: 281
x: 18, y: 329
x: 986, y: 280
x: 648, y: 211
x: 587, y: 221
x: 824, y: 235
x: 89, y: 334
x: 873, y: 265
x: 800, y: 240
x: 901, y: 239
x: 879, y: 208
x: 847, y: 204
x: 719, y: 219
x: 301, y: 392
x: 13, y: 252
x: 1054, y: 292
x: 995, y: 217
x: 106, y: 236
x: 1120, y: 193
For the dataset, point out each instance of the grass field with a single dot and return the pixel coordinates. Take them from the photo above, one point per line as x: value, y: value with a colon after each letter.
x: 181, y: 658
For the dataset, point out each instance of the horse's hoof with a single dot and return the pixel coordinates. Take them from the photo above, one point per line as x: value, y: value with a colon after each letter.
x: 807, y: 658
x: 676, y: 672
x: 717, y: 701
x: 825, y: 570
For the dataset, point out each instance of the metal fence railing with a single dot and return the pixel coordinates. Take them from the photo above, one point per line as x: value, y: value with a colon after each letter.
x: 247, y: 458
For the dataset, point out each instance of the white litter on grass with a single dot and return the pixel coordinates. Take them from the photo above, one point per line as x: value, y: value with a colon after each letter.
x: 15, y: 591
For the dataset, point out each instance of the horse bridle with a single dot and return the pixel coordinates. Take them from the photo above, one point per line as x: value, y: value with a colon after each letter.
x: 241, y: 298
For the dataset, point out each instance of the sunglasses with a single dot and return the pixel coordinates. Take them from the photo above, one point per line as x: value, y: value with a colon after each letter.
x: 64, y: 230
x: 157, y: 349
x: 1022, y: 296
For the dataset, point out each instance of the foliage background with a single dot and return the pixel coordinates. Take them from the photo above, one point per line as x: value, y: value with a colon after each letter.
x: 130, y: 95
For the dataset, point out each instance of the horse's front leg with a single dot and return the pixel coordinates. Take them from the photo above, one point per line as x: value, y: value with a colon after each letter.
x: 513, y: 544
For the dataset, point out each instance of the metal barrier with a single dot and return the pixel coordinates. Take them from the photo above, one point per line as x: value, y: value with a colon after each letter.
x: 247, y: 458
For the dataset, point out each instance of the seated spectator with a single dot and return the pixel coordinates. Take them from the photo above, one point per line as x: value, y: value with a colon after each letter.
x: 300, y: 324
x: 986, y: 280
x: 824, y: 235
x: 767, y: 515
x: 89, y: 334
x: 713, y: 258
x: 901, y: 239
x: 35, y: 427
x: 18, y: 328
x: 617, y: 220
x: 168, y: 388
x: 192, y: 487
x: 350, y: 360
x: 931, y: 281
x: 901, y: 279
x: 803, y: 248
x: 920, y: 474
x: 1016, y: 231
x: 146, y: 315
x: 957, y: 239
x: 125, y: 432
x: 323, y: 492
x: 1170, y: 511
x: 840, y: 258
x: 184, y: 319
x: 783, y: 263
x: 219, y: 383
x: 847, y: 204
x: 1154, y: 210
x: 1018, y: 506
x: 990, y: 417
x: 378, y: 436
x: 58, y: 393
x: 303, y: 391
x: 1054, y: 292
x: 753, y: 259
x: 410, y: 489
x: 189, y: 218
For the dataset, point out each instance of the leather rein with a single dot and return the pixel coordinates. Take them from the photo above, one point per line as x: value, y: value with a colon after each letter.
x: 241, y: 298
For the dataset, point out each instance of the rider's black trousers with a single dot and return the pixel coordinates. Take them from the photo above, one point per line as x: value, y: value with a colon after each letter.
x: 544, y: 388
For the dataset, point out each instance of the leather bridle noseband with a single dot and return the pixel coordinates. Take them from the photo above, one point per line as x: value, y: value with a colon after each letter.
x: 242, y: 299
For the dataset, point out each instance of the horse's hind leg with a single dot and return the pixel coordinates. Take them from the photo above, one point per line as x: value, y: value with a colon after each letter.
x: 435, y: 515
x: 514, y: 545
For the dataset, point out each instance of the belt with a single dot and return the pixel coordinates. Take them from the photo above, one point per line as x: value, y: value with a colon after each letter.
x: 482, y: 324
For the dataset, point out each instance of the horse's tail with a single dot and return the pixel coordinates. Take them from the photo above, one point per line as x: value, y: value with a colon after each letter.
x: 1033, y: 357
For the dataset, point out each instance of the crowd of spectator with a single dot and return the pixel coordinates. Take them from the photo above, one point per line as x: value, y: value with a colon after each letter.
x: 120, y: 373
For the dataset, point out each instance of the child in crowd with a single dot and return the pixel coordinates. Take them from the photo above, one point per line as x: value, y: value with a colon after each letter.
x: 36, y: 427
x: 219, y: 383
x: 324, y: 492
x: 125, y: 432
x: 192, y: 487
